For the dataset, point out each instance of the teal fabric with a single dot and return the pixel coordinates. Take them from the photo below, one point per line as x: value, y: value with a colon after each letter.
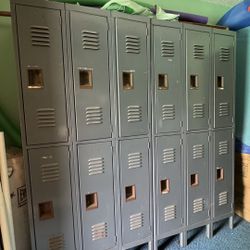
x: 242, y: 107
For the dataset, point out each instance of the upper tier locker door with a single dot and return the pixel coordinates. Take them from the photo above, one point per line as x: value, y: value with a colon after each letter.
x: 168, y: 93
x: 197, y: 177
x: 42, y: 73
x: 97, y: 196
x: 224, y: 80
x: 197, y: 78
x: 89, y: 36
x: 169, y: 183
x: 223, y: 170
x: 135, y: 191
x: 132, y: 77
x: 51, y: 198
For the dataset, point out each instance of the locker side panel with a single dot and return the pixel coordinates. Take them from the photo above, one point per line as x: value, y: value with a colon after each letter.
x: 89, y: 39
x: 223, y: 172
x: 51, y: 194
x: 169, y: 183
x: 42, y: 74
x: 167, y: 82
x: 223, y: 80
x: 198, y: 202
x: 135, y: 192
x: 97, y: 195
x: 132, y: 74
x: 198, y: 78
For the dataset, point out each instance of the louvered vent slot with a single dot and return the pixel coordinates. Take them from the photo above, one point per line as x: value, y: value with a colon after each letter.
x: 133, y: 44
x: 223, y: 109
x: 224, y: 54
x: 198, y: 151
x: 168, y: 112
x: 167, y: 49
x: 96, y: 166
x: 99, y: 231
x: 223, y: 198
x: 134, y: 113
x: 223, y: 147
x: 50, y: 172
x: 134, y: 160
x: 93, y: 115
x: 198, y: 205
x: 90, y: 40
x: 136, y: 221
x: 168, y: 155
x: 56, y: 242
x: 46, y: 117
x: 170, y: 213
x: 40, y: 36
x: 198, y: 110
x: 198, y: 51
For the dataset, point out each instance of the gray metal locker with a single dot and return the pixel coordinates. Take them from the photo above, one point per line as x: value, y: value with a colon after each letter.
x: 97, y: 195
x: 40, y: 41
x: 51, y: 197
x: 224, y: 77
x: 198, y: 77
x: 168, y: 93
x: 132, y: 75
x: 223, y: 168
x: 135, y: 189
x: 169, y: 183
x: 90, y: 44
x: 198, y: 202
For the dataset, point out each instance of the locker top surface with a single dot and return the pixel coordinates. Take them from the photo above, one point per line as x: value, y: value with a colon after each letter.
x: 86, y: 9
x: 165, y: 23
x: 39, y: 3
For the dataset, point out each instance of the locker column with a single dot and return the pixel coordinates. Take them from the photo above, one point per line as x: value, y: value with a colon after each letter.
x: 89, y: 43
x: 222, y: 127
x: 167, y: 91
x: 132, y: 74
x: 40, y: 35
x: 198, y: 79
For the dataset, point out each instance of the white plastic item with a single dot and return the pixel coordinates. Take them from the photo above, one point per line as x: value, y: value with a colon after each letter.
x: 6, y: 194
x: 18, y: 195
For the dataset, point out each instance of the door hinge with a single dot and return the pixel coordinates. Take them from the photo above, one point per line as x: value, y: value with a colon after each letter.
x: 149, y: 145
x: 182, y: 220
x: 181, y: 141
x: 209, y: 138
x: 209, y: 212
x: 147, y: 32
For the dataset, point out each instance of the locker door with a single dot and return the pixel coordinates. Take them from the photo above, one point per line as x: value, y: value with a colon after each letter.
x: 167, y: 82
x: 97, y: 195
x: 169, y: 183
x: 90, y: 49
x: 223, y: 170
x: 51, y: 197
x: 224, y: 80
x: 197, y: 177
x: 135, y: 190
x: 42, y: 73
x: 198, y: 78
x: 132, y: 77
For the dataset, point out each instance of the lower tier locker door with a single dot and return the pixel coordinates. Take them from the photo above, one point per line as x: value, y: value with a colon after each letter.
x: 135, y: 190
x: 42, y: 74
x: 197, y: 178
x: 169, y: 183
x: 97, y: 196
x: 51, y: 196
x: 223, y: 172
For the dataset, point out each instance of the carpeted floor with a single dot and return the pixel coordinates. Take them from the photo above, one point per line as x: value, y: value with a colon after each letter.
x: 223, y: 239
